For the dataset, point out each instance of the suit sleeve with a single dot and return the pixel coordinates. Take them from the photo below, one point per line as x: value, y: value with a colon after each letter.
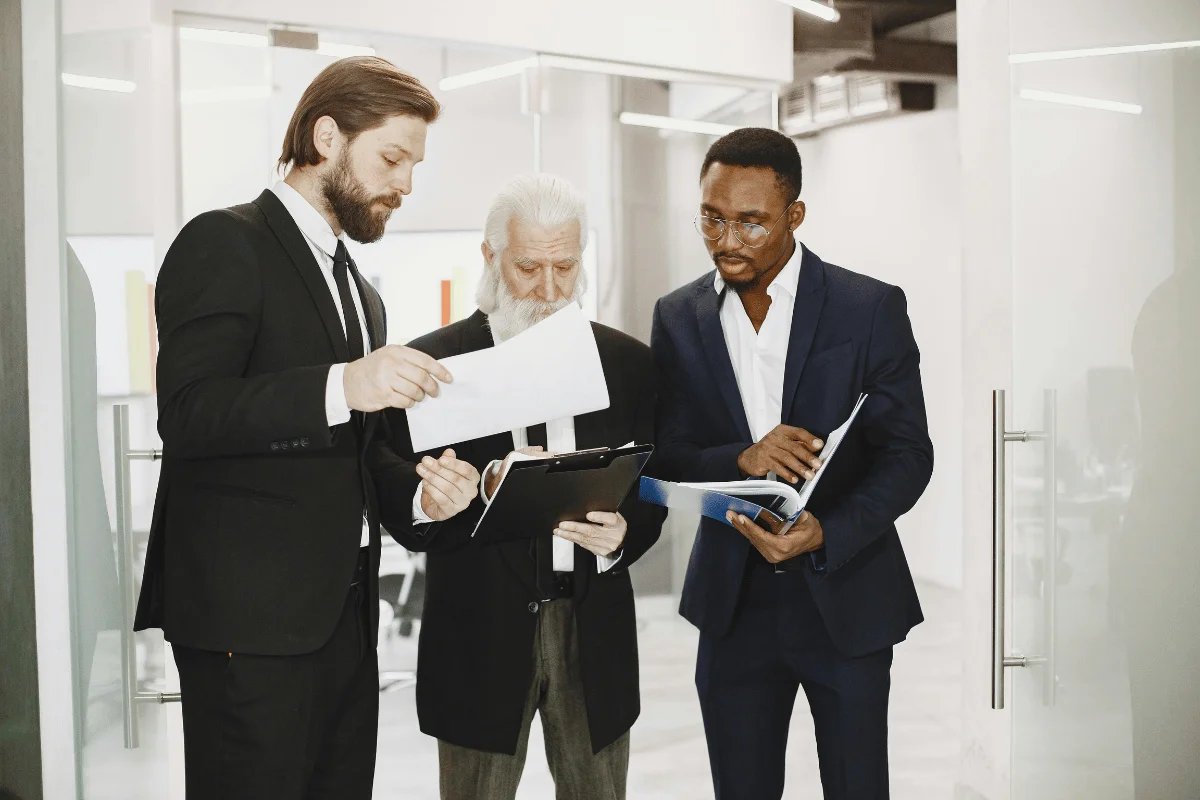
x: 894, y: 426
x: 680, y: 456
x: 644, y: 521
x: 208, y: 303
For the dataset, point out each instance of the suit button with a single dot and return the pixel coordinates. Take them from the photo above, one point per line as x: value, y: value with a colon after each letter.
x: 295, y: 442
x: 533, y: 608
x: 274, y: 445
x: 304, y: 441
x: 284, y: 445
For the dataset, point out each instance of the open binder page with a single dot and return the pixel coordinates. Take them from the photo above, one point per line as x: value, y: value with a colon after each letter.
x: 827, y: 452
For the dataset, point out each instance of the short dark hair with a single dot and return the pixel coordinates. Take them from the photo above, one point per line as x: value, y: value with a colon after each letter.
x: 760, y: 147
x: 359, y: 93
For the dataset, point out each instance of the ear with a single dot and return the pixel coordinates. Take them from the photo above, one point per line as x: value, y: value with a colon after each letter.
x: 327, y: 137
x: 796, y: 215
x: 488, y: 255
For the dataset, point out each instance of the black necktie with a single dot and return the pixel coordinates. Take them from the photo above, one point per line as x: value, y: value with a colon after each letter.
x: 535, y: 436
x: 341, y: 276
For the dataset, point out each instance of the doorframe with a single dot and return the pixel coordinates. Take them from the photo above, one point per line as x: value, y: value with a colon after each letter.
x: 985, y: 762
x: 49, y: 455
x: 20, y: 744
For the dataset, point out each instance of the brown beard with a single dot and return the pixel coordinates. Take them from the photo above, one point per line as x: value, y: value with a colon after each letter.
x: 354, y: 208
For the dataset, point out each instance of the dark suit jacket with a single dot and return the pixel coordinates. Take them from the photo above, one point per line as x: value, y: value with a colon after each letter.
x: 850, y: 334
x: 258, y: 518
x: 475, y: 662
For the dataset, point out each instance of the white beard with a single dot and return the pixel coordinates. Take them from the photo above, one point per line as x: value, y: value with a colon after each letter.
x: 512, y: 315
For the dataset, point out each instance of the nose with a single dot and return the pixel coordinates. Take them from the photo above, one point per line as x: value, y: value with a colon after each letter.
x: 728, y: 240
x: 401, y: 181
x: 548, y: 289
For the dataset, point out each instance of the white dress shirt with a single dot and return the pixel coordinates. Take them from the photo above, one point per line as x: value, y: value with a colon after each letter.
x: 560, y: 438
x: 323, y: 243
x: 759, y: 356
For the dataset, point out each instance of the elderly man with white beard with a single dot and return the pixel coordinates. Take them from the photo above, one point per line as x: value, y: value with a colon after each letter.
x: 498, y: 644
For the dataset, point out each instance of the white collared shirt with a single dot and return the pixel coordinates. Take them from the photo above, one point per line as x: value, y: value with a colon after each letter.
x: 560, y: 438
x: 759, y: 357
x: 323, y: 243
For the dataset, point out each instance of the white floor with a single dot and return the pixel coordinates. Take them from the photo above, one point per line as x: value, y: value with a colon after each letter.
x: 669, y: 760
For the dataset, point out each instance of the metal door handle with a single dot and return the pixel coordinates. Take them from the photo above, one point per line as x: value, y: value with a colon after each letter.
x: 1001, y: 436
x: 130, y: 695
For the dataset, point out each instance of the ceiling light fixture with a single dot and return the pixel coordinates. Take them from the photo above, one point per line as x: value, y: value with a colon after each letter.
x: 487, y: 74
x: 820, y: 10
x: 344, y: 50
x: 1080, y: 102
x: 675, y: 124
x: 103, y: 84
x: 239, y: 39
x: 1098, y: 52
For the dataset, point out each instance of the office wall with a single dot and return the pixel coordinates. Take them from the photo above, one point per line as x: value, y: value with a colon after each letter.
x: 884, y: 199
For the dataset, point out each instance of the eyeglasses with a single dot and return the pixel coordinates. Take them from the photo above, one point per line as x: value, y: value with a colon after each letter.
x: 748, y: 233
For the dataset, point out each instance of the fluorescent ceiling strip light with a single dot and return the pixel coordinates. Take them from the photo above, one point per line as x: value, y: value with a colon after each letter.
x: 675, y: 124
x: 103, y: 84
x: 223, y: 37
x: 651, y: 73
x: 1097, y: 52
x: 344, y: 50
x: 1080, y: 102
x: 827, y: 13
x: 225, y: 93
x: 487, y: 74
x: 238, y: 39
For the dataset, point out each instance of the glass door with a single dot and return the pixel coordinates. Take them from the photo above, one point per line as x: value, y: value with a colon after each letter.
x: 125, y: 701
x: 1104, y: 464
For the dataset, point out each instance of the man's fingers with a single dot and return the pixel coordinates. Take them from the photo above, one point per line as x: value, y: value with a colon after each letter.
x: 418, y: 376
x: 433, y: 476
x: 405, y: 388
x: 426, y: 363
x: 463, y: 469
x: 800, y: 435
x: 607, y: 518
x: 438, y: 497
x: 785, y: 465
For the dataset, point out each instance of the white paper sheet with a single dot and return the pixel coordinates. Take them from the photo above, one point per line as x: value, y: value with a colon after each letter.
x: 549, y: 371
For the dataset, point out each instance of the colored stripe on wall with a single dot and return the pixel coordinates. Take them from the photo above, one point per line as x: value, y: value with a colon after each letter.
x: 446, y: 296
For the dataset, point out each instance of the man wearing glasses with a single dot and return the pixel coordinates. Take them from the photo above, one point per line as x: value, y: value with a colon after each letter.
x: 757, y: 362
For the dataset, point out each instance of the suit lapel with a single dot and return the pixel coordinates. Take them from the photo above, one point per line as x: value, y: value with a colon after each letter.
x: 810, y: 298
x: 712, y: 337
x: 293, y: 242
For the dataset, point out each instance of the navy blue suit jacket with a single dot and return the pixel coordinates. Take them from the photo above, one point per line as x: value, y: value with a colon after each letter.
x: 850, y: 334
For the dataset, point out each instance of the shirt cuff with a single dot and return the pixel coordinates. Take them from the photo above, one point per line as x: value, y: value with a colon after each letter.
x: 419, y: 515
x: 337, y: 411
x: 487, y: 501
x: 605, y: 563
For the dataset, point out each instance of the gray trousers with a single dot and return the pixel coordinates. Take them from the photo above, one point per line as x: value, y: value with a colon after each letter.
x: 557, y: 694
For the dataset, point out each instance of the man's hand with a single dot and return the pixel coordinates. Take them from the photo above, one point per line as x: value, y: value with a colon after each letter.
x: 791, y: 453
x: 392, y: 377
x: 803, y: 537
x: 603, y: 537
x: 448, y: 485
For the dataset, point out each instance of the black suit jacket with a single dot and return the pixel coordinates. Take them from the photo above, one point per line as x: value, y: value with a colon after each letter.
x: 475, y: 662
x: 850, y: 334
x: 258, y: 517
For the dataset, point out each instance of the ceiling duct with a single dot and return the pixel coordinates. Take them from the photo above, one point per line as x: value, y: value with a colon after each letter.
x: 870, y: 64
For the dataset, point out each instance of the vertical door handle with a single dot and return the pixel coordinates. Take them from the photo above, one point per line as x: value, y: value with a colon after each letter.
x: 1001, y: 436
x: 129, y: 680
x: 1050, y: 572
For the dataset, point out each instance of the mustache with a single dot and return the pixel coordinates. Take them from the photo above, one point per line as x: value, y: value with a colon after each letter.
x: 730, y: 257
x: 392, y: 201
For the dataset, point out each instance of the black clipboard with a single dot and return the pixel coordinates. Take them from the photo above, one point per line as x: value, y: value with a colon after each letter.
x: 536, y: 495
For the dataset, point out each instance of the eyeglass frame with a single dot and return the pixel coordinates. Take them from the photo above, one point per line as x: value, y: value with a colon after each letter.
x: 731, y: 224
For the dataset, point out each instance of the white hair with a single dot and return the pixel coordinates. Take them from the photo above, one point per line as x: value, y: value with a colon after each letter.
x: 543, y: 200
